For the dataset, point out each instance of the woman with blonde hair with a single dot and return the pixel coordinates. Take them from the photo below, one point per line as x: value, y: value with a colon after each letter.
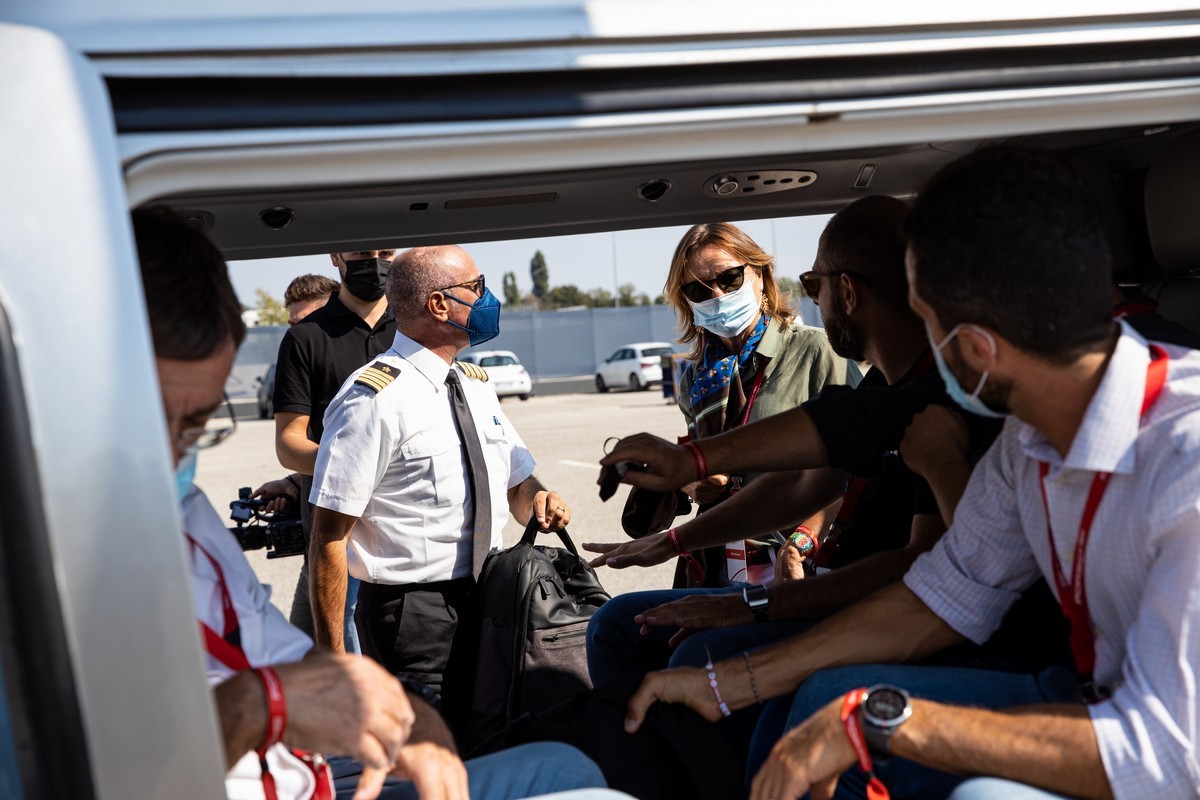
x: 750, y: 359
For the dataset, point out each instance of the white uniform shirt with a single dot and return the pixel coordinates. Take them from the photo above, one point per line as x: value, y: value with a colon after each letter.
x: 394, y: 460
x: 1143, y: 559
x: 266, y: 638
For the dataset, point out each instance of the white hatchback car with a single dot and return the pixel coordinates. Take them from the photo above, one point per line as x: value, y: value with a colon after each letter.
x: 637, y: 366
x: 505, y: 373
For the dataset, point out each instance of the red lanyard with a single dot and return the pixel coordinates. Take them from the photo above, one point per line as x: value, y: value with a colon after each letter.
x: 226, y: 647
x: 1072, y: 594
x: 758, y: 382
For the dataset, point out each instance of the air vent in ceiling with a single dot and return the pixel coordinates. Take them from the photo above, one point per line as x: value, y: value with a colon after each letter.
x: 741, y: 184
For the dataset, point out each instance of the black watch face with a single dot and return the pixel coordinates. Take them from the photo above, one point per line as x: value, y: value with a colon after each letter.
x: 886, y: 704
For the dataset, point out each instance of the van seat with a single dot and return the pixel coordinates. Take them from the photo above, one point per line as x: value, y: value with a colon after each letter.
x: 1173, y: 224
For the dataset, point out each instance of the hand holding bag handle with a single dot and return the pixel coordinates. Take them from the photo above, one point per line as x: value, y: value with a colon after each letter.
x: 532, y: 530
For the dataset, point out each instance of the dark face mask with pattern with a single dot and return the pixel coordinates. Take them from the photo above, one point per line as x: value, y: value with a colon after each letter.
x: 366, y: 278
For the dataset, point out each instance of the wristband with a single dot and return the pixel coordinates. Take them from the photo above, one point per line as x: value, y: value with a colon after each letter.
x: 292, y: 480
x: 701, y: 461
x: 853, y: 725
x: 276, y: 709
x: 693, y: 566
x: 803, y: 540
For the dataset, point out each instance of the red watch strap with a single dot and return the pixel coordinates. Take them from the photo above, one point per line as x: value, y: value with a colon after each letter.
x: 853, y: 725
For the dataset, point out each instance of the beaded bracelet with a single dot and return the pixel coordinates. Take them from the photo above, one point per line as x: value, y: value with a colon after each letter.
x: 712, y: 681
x: 753, y: 682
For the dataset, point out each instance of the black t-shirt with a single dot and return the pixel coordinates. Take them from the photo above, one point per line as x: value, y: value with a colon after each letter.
x: 862, y: 429
x: 318, y: 353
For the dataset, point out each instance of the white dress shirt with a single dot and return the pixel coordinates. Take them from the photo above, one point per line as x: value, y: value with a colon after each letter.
x: 394, y: 460
x: 266, y: 638
x: 1143, y: 559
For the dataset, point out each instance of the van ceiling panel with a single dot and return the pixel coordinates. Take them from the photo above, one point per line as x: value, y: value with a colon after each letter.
x: 492, y: 208
x: 177, y: 104
x: 544, y: 205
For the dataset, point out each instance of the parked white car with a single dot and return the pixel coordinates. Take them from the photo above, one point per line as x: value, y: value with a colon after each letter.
x: 505, y: 373
x: 638, y: 366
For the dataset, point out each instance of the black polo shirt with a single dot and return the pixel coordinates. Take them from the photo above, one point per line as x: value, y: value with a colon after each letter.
x: 862, y: 429
x: 318, y: 353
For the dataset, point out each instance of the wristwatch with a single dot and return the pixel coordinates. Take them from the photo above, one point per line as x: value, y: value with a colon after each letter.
x: 757, y: 600
x: 885, y: 709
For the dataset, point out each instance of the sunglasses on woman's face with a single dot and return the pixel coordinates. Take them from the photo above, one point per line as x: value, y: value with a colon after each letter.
x: 729, y: 280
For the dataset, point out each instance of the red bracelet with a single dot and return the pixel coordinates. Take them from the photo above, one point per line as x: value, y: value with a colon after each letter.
x: 853, y: 725
x: 276, y: 708
x: 701, y: 461
x: 693, y: 566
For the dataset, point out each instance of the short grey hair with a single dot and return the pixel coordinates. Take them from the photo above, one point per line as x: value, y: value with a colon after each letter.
x: 415, y: 274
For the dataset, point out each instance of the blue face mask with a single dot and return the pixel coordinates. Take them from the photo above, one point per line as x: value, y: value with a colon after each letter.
x: 728, y: 315
x: 483, y: 323
x: 185, y: 474
x: 967, y: 402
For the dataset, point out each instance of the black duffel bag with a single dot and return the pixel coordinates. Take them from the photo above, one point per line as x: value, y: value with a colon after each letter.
x: 675, y: 755
x: 535, y: 605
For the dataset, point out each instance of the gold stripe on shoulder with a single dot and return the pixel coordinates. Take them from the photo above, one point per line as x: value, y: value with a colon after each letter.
x: 473, y: 371
x: 377, y: 376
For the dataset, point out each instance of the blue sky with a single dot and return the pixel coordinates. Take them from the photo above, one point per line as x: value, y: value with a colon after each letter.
x: 592, y: 260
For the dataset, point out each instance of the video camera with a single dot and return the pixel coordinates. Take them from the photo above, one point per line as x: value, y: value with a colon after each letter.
x: 280, y: 532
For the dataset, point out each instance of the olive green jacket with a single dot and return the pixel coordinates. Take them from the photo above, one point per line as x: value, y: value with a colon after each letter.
x: 801, y: 364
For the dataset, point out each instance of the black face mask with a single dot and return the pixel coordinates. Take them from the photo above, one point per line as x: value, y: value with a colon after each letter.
x: 366, y: 278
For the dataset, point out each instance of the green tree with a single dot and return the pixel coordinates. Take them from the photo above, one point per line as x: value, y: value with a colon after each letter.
x: 643, y: 299
x: 627, y: 294
x: 540, y: 274
x: 599, y: 298
x: 791, y: 286
x: 512, y: 295
x: 564, y: 297
x: 660, y: 300
x: 270, y: 310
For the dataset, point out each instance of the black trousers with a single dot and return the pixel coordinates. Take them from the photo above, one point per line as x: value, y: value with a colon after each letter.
x: 427, y: 632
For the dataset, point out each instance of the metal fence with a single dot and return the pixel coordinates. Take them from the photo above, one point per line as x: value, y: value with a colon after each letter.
x: 551, y: 344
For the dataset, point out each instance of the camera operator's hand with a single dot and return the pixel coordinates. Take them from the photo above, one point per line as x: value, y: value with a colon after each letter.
x: 279, y: 493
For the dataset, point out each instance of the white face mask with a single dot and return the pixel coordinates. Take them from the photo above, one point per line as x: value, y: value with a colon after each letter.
x: 728, y: 315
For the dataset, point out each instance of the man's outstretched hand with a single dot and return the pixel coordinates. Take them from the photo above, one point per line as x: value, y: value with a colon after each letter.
x: 667, y: 466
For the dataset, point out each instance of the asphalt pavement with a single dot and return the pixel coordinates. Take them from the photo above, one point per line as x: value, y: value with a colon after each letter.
x: 565, y: 433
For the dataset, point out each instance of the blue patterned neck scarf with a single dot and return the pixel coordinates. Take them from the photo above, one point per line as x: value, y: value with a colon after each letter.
x: 718, y: 393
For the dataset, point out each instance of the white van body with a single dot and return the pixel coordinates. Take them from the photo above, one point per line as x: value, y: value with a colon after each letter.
x: 309, y: 127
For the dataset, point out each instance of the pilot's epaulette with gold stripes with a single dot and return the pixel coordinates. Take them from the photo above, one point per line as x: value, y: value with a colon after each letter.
x: 377, y: 376
x: 473, y: 371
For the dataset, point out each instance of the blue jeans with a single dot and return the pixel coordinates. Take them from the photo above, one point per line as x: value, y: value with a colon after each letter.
x: 525, y: 771
x: 959, y: 686
x: 617, y: 649
x: 1000, y: 789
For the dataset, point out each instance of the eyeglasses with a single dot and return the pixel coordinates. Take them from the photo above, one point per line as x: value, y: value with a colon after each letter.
x: 204, y: 437
x: 476, y: 285
x: 810, y: 281
x: 729, y: 280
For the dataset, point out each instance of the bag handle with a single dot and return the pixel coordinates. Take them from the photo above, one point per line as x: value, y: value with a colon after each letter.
x: 531, y: 532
